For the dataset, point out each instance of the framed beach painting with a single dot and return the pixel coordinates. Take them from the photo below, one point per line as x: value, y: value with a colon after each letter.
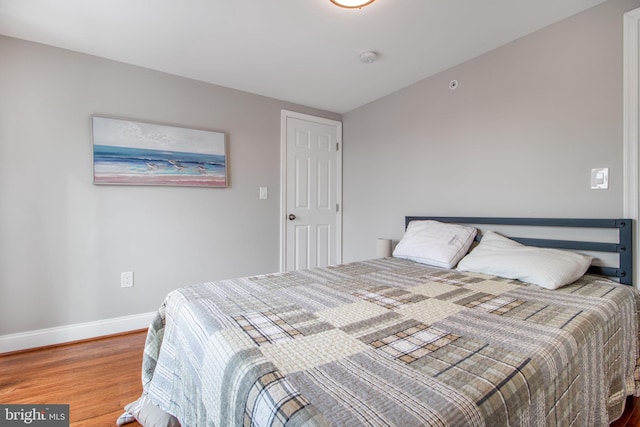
x: 137, y: 153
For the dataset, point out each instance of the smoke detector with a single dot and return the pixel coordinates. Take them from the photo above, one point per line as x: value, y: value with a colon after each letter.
x: 368, y: 56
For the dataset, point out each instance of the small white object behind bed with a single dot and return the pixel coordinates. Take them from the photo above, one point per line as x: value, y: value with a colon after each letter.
x: 383, y: 248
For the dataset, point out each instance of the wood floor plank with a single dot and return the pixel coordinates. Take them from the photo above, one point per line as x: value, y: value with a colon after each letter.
x: 631, y: 415
x: 96, y: 378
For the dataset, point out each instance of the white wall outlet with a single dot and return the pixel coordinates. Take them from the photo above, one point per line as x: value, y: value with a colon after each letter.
x: 264, y: 193
x: 126, y: 279
x: 599, y: 178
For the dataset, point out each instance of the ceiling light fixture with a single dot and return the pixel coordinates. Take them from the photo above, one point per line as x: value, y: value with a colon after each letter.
x: 352, y: 4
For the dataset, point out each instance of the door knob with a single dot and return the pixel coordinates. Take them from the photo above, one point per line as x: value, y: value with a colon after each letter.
x: 292, y: 217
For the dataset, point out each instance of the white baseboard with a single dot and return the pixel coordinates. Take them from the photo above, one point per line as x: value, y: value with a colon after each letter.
x: 78, y: 331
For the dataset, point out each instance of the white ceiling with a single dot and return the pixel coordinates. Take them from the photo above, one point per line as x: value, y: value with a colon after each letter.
x: 303, y: 51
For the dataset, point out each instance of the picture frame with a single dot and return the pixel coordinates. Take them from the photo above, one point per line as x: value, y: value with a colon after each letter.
x: 127, y: 152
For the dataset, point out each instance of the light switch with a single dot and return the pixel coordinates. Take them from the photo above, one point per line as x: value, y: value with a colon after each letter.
x: 264, y: 193
x: 599, y: 178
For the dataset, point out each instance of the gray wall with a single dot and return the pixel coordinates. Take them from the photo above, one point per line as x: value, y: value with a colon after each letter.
x: 64, y: 241
x: 518, y: 137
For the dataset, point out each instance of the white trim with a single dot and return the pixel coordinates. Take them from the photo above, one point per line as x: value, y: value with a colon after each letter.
x: 284, y: 115
x: 631, y: 122
x: 283, y: 188
x: 78, y: 331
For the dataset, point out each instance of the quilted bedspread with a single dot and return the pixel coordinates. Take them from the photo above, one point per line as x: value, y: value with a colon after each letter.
x: 390, y: 342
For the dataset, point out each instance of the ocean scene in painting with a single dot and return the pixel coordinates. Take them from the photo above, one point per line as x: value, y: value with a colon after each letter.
x: 128, y: 152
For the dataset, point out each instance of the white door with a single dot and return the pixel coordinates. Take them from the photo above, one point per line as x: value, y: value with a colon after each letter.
x: 311, y: 226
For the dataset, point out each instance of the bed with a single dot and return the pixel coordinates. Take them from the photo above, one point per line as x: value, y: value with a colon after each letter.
x: 399, y: 342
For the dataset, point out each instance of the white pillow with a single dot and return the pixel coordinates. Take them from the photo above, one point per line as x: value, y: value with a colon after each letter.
x: 550, y: 268
x: 435, y: 243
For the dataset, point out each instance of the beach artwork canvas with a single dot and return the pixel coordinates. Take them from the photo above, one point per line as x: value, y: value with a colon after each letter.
x: 137, y: 153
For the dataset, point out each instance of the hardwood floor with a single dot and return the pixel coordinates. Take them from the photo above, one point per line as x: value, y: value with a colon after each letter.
x: 98, y: 377
x: 631, y: 416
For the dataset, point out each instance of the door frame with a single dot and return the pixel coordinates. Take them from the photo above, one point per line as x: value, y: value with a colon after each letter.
x: 284, y: 116
x: 631, y: 123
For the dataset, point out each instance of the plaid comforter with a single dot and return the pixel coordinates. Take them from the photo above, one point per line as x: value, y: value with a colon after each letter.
x: 390, y: 342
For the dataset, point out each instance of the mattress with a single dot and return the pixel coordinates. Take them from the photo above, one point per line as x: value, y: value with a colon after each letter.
x: 390, y: 342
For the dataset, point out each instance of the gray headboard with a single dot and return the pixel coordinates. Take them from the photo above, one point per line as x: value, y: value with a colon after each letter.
x: 624, y: 272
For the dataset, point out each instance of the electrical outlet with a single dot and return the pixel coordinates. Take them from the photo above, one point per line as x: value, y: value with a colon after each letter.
x: 126, y: 279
